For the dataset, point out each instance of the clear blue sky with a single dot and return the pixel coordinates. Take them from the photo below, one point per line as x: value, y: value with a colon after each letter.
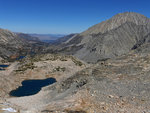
x: 63, y: 16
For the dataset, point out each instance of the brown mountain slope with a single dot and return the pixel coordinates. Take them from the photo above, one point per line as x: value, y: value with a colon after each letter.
x: 10, y: 43
x: 13, y: 44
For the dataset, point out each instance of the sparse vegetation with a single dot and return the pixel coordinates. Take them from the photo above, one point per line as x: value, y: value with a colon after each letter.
x: 52, y: 57
x: 75, y: 111
x: 26, y: 67
x: 77, y: 62
x: 59, y: 69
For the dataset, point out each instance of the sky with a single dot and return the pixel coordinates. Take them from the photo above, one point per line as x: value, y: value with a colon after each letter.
x: 63, y: 16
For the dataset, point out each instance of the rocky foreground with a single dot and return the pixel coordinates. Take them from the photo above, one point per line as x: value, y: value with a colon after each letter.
x: 120, y: 85
x: 41, y: 66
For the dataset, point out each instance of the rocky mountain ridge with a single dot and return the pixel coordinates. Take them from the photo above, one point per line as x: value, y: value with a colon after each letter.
x: 9, y: 43
x: 109, y: 39
x: 16, y: 44
x: 117, y: 21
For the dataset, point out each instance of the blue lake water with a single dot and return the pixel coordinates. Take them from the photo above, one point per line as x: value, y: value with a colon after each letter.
x: 20, y: 57
x: 31, y: 87
x: 2, y: 67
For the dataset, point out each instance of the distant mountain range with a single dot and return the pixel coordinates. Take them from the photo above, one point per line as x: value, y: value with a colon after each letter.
x: 28, y: 37
x: 47, y: 37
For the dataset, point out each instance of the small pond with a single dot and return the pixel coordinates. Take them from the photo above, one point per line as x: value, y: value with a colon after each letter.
x: 31, y: 87
x: 20, y: 57
x: 2, y: 67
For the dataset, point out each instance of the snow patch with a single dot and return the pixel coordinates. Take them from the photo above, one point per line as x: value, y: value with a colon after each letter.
x: 9, y: 109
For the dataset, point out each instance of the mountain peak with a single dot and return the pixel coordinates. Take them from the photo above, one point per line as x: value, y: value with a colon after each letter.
x: 117, y: 21
x: 129, y: 14
x: 136, y: 18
